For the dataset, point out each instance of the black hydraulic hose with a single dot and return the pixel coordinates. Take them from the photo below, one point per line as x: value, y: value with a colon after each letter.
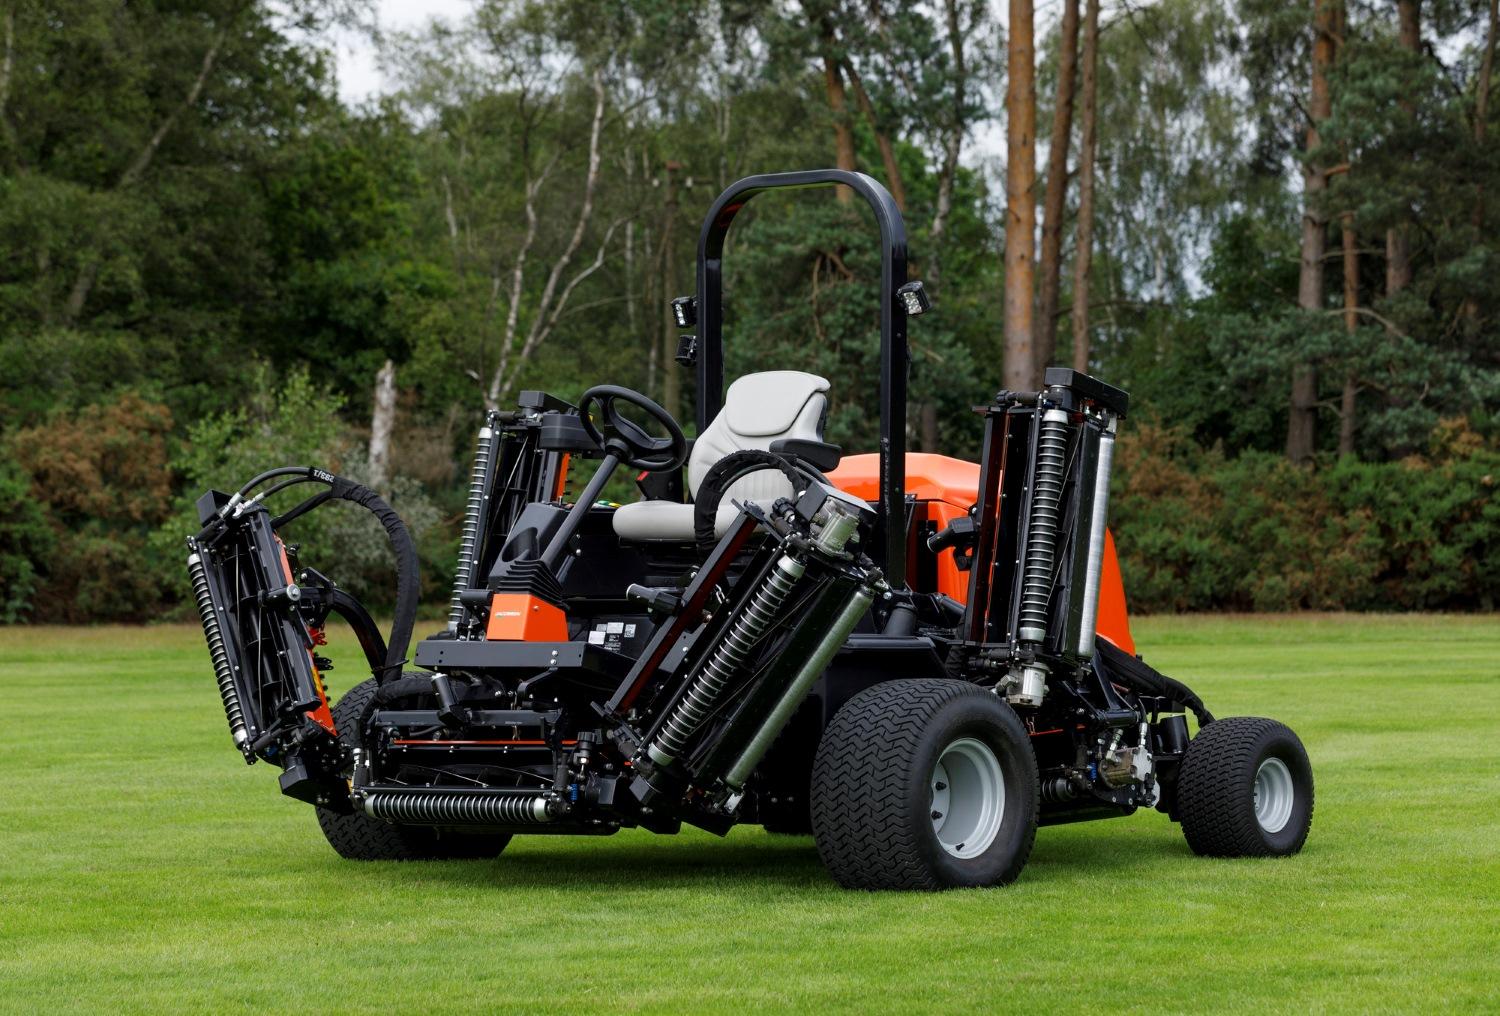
x: 362, y: 624
x: 1133, y: 672
x: 408, y: 587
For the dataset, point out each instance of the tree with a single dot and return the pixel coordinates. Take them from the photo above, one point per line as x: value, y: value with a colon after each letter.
x: 1020, y: 202
x: 1303, y: 411
x: 1083, y: 246
x: 1057, y: 186
x: 1397, y: 242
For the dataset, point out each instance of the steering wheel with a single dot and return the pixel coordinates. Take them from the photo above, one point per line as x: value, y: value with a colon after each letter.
x: 625, y: 439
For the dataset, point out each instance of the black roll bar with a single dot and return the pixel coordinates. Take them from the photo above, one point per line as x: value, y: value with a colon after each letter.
x: 895, y: 359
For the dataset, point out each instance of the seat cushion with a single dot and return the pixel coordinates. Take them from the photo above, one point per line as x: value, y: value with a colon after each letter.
x: 665, y: 520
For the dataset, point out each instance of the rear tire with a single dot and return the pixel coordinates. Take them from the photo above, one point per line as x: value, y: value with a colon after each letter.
x: 358, y: 837
x: 1245, y: 789
x: 924, y: 784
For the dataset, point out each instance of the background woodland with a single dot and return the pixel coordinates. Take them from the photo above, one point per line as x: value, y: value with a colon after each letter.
x: 1273, y: 223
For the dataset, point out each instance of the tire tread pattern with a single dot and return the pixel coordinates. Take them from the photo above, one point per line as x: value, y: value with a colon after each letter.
x: 1213, y: 783
x: 358, y: 837
x: 860, y: 785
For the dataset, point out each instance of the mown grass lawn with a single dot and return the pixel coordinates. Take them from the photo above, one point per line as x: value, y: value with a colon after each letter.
x: 143, y: 867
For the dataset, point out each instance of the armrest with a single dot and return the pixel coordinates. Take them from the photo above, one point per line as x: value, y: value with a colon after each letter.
x: 820, y: 454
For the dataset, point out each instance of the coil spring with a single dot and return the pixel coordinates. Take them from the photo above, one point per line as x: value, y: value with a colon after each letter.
x: 479, y: 482
x: 1041, y: 531
x: 703, y: 695
x: 216, y: 651
x: 438, y: 808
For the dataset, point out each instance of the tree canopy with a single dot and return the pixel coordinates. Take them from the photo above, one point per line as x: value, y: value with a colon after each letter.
x: 198, y: 235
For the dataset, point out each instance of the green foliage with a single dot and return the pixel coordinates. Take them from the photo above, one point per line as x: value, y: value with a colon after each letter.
x: 1200, y: 532
x: 100, y: 479
x: 26, y: 543
x: 296, y: 422
x: 199, y: 282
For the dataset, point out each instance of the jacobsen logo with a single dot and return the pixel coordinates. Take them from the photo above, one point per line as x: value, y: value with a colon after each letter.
x: 507, y: 613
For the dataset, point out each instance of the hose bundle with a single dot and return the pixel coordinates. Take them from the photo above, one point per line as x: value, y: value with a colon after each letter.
x: 1133, y: 672
x: 408, y: 587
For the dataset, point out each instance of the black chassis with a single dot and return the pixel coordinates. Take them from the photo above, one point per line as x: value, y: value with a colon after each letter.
x: 566, y: 736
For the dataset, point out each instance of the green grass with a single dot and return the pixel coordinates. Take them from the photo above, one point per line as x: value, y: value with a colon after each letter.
x: 144, y: 868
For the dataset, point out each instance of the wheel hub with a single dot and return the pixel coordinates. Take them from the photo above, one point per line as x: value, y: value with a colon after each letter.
x: 968, y: 797
x: 1274, y: 795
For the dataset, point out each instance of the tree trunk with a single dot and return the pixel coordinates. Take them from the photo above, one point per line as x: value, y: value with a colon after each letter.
x: 953, y: 140
x: 552, y: 301
x: 1083, y: 252
x: 1351, y: 324
x: 1057, y: 189
x: 1020, y: 204
x: 928, y: 431
x: 671, y: 379
x: 382, y: 424
x: 883, y: 140
x: 1302, y: 416
x: 1481, y: 115
x: 843, y: 133
x: 951, y: 149
x: 1397, y: 238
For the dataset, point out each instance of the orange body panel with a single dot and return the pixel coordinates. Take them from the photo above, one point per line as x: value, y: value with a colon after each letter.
x: 521, y: 617
x: 945, y: 488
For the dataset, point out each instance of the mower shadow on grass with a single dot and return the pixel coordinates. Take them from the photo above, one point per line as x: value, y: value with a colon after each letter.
x: 785, y: 862
x: 790, y: 864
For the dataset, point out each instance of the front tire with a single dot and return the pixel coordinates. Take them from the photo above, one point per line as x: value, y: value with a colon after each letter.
x: 924, y: 784
x: 1245, y: 789
x: 358, y: 837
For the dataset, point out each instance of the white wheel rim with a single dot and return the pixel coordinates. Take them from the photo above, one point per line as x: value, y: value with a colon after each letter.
x: 968, y: 797
x: 1274, y: 795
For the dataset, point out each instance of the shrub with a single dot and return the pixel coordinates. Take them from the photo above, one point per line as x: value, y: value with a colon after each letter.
x: 100, y: 478
x: 1199, y: 532
x: 26, y: 542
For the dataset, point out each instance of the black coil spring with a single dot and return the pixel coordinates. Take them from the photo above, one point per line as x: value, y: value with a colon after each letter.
x: 479, y: 482
x: 216, y: 651
x: 701, y: 698
x: 1041, y: 532
x: 438, y: 808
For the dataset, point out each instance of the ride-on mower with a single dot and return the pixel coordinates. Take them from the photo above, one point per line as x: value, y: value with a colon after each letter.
x: 915, y: 658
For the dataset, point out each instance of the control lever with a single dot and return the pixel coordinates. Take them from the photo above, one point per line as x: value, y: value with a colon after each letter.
x: 959, y: 534
x: 661, y: 601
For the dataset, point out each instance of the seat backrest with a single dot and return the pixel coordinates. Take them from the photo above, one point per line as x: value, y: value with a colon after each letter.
x: 758, y: 409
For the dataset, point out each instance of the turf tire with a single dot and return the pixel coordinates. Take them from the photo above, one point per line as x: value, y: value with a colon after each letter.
x: 358, y: 837
x: 1216, y: 789
x: 872, y: 787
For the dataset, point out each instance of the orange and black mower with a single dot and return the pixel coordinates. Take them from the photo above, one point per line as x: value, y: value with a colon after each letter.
x: 915, y: 658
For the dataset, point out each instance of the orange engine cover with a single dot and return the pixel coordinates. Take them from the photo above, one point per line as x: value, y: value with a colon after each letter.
x: 944, y: 488
x: 521, y: 617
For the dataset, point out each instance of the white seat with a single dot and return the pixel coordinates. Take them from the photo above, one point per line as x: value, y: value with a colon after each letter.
x: 758, y: 409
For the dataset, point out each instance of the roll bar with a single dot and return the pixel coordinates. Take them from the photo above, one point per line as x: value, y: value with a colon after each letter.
x: 895, y: 359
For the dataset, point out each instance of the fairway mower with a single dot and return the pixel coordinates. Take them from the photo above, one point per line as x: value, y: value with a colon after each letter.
x: 914, y: 658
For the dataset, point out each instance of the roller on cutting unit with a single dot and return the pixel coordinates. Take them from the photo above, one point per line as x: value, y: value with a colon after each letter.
x: 917, y: 659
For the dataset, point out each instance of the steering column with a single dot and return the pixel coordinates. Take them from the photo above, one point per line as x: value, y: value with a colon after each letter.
x: 624, y: 442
